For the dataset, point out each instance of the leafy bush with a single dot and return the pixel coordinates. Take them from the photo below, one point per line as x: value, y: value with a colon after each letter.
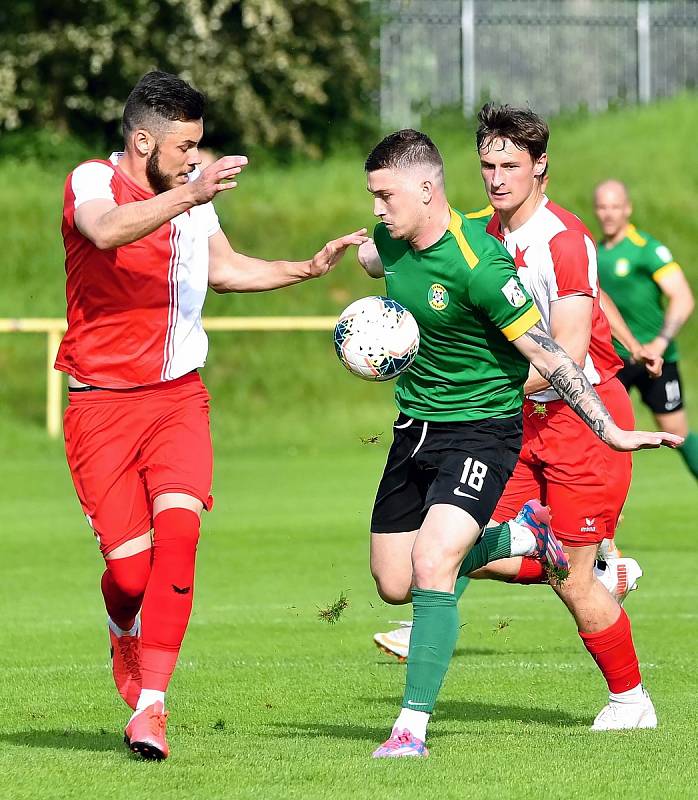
x: 293, y: 75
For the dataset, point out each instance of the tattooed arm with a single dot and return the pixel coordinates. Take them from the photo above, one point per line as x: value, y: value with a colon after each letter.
x: 572, y: 385
x: 680, y: 306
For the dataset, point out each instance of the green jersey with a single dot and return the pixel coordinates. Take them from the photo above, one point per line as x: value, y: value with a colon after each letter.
x: 469, y: 304
x: 629, y: 272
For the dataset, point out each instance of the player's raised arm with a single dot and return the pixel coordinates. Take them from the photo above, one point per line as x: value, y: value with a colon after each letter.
x: 108, y: 225
x: 370, y: 259
x: 574, y: 388
x: 230, y: 271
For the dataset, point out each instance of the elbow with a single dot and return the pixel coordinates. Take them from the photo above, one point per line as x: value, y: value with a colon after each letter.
x: 218, y: 287
x: 102, y: 242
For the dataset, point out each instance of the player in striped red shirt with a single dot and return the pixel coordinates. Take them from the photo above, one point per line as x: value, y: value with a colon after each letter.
x: 584, y: 482
x: 143, y: 244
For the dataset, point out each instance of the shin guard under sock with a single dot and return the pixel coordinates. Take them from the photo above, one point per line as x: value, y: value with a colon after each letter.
x: 614, y: 653
x: 168, y: 597
x: 433, y: 639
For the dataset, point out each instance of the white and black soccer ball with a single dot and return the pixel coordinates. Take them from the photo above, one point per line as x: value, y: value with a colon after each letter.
x: 376, y: 338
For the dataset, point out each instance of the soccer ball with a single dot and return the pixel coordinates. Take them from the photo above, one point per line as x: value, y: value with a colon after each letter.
x: 376, y: 338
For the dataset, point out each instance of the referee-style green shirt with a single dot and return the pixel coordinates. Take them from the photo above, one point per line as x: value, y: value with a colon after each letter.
x: 629, y: 271
x: 469, y: 304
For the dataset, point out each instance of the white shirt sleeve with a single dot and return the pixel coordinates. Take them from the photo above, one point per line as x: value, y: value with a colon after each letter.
x: 92, y: 181
x: 206, y: 212
x: 209, y: 219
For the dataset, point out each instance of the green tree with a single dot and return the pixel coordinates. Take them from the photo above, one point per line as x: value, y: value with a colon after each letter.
x: 293, y: 75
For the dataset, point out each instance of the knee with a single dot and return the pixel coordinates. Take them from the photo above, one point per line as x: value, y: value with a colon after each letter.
x: 428, y: 571
x: 178, y: 527
x: 392, y: 589
x: 129, y: 575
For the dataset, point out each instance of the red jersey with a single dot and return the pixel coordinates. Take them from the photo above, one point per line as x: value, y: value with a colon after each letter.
x: 555, y: 257
x: 134, y: 312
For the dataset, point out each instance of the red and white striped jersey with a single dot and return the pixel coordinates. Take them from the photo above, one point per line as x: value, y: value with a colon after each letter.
x: 555, y: 257
x: 134, y: 312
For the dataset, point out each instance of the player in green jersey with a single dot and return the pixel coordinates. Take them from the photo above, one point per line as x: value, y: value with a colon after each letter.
x: 640, y: 274
x: 458, y: 433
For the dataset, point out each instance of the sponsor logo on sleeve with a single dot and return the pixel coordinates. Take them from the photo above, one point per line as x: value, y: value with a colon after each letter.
x: 512, y: 291
x: 664, y: 253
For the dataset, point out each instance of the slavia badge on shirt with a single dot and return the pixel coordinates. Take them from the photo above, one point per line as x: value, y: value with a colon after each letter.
x: 512, y: 291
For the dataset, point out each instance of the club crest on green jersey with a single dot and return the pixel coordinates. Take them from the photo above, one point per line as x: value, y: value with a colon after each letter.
x: 622, y: 267
x: 512, y: 291
x: 438, y: 297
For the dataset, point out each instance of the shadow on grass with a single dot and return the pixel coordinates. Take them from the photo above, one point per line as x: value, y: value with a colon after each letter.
x: 447, y: 711
x: 95, y: 741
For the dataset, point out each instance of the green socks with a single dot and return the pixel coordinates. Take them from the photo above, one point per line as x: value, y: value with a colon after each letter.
x: 494, y: 543
x: 689, y: 452
x: 433, y: 639
x: 462, y: 582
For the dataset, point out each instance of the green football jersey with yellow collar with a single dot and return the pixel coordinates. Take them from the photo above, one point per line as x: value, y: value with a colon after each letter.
x: 628, y: 272
x: 470, y: 305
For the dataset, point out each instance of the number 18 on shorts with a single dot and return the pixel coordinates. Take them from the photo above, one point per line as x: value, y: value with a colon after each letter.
x: 464, y: 464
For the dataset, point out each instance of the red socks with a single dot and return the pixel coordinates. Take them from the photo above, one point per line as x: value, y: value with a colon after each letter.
x: 614, y: 653
x: 168, y: 597
x: 123, y: 585
x: 531, y: 571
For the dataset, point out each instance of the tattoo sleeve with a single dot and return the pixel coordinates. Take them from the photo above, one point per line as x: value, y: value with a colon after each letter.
x: 572, y: 384
x: 670, y: 328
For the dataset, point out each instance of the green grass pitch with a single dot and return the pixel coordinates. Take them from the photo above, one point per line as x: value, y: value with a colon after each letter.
x: 271, y: 702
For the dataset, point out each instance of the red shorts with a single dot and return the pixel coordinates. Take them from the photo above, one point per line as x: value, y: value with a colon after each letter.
x: 569, y: 468
x: 126, y: 447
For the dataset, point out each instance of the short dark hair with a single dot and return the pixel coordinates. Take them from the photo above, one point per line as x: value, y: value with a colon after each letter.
x: 404, y: 149
x: 523, y: 127
x: 160, y: 96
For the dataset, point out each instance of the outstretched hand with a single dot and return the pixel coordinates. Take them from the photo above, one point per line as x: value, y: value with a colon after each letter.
x: 628, y: 441
x: 330, y: 255
x: 216, y: 178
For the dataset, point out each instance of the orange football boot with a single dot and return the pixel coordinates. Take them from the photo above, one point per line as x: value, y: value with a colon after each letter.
x: 145, y: 733
x: 126, y: 663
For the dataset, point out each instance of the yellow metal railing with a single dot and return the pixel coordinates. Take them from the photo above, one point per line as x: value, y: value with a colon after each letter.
x: 54, y: 328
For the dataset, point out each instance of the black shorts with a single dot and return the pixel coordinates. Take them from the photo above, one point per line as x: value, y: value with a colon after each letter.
x: 661, y: 395
x: 464, y: 464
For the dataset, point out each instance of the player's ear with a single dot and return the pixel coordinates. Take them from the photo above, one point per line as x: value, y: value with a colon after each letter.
x: 143, y: 142
x: 427, y: 191
x: 540, y: 165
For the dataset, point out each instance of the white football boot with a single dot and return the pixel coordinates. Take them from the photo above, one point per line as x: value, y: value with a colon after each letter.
x: 396, y: 642
x: 619, y: 576
x: 625, y: 716
x: 607, y: 550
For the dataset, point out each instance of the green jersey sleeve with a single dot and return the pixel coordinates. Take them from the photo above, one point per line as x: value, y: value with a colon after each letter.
x: 658, y: 258
x: 497, y: 292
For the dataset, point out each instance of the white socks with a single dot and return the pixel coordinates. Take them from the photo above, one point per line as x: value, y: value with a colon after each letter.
x: 117, y: 631
x: 414, y: 721
x: 146, y: 698
x: 523, y: 542
x: 635, y: 695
